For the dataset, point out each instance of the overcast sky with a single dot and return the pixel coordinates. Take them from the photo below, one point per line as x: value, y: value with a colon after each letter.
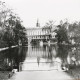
x: 44, y: 10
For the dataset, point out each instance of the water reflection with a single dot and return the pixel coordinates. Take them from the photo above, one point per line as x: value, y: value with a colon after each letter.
x: 39, y: 58
x: 11, y: 58
x: 63, y: 54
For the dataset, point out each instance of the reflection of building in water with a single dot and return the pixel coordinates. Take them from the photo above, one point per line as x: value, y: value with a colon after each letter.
x: 12, y: 57
x: 35, y: 51
x: 42, y: 52
x: 38, y: 60
x: 38, y: 34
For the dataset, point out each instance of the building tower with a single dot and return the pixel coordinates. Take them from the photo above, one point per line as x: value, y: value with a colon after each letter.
x: 37, y: 24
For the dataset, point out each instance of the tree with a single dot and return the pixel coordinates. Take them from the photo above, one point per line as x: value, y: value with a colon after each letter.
x: 19, y: 31
x: 74, y: 31
x: 48, y: 28
x: 9, y: 33
x: 11, y: 29
x: 8, y: 37
x: 4, y: 14
x: 62, y: 34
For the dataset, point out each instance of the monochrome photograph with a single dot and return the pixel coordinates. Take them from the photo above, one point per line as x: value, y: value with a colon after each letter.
x: 39, y: 39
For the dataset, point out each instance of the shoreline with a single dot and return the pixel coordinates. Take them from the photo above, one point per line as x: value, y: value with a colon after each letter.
x: 2, y: 49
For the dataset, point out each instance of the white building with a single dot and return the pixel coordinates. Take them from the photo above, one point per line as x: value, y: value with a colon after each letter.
x: 38, y: 33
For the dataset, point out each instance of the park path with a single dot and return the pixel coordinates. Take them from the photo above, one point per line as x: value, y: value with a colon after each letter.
x: 41, y: 75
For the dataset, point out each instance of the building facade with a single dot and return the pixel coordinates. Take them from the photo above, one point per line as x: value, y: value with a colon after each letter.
x: 38, y: 34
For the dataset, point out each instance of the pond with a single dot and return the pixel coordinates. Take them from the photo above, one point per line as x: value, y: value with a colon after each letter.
x: 40, y: 57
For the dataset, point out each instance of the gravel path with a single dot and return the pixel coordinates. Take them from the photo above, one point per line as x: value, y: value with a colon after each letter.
x: 41, y: 75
